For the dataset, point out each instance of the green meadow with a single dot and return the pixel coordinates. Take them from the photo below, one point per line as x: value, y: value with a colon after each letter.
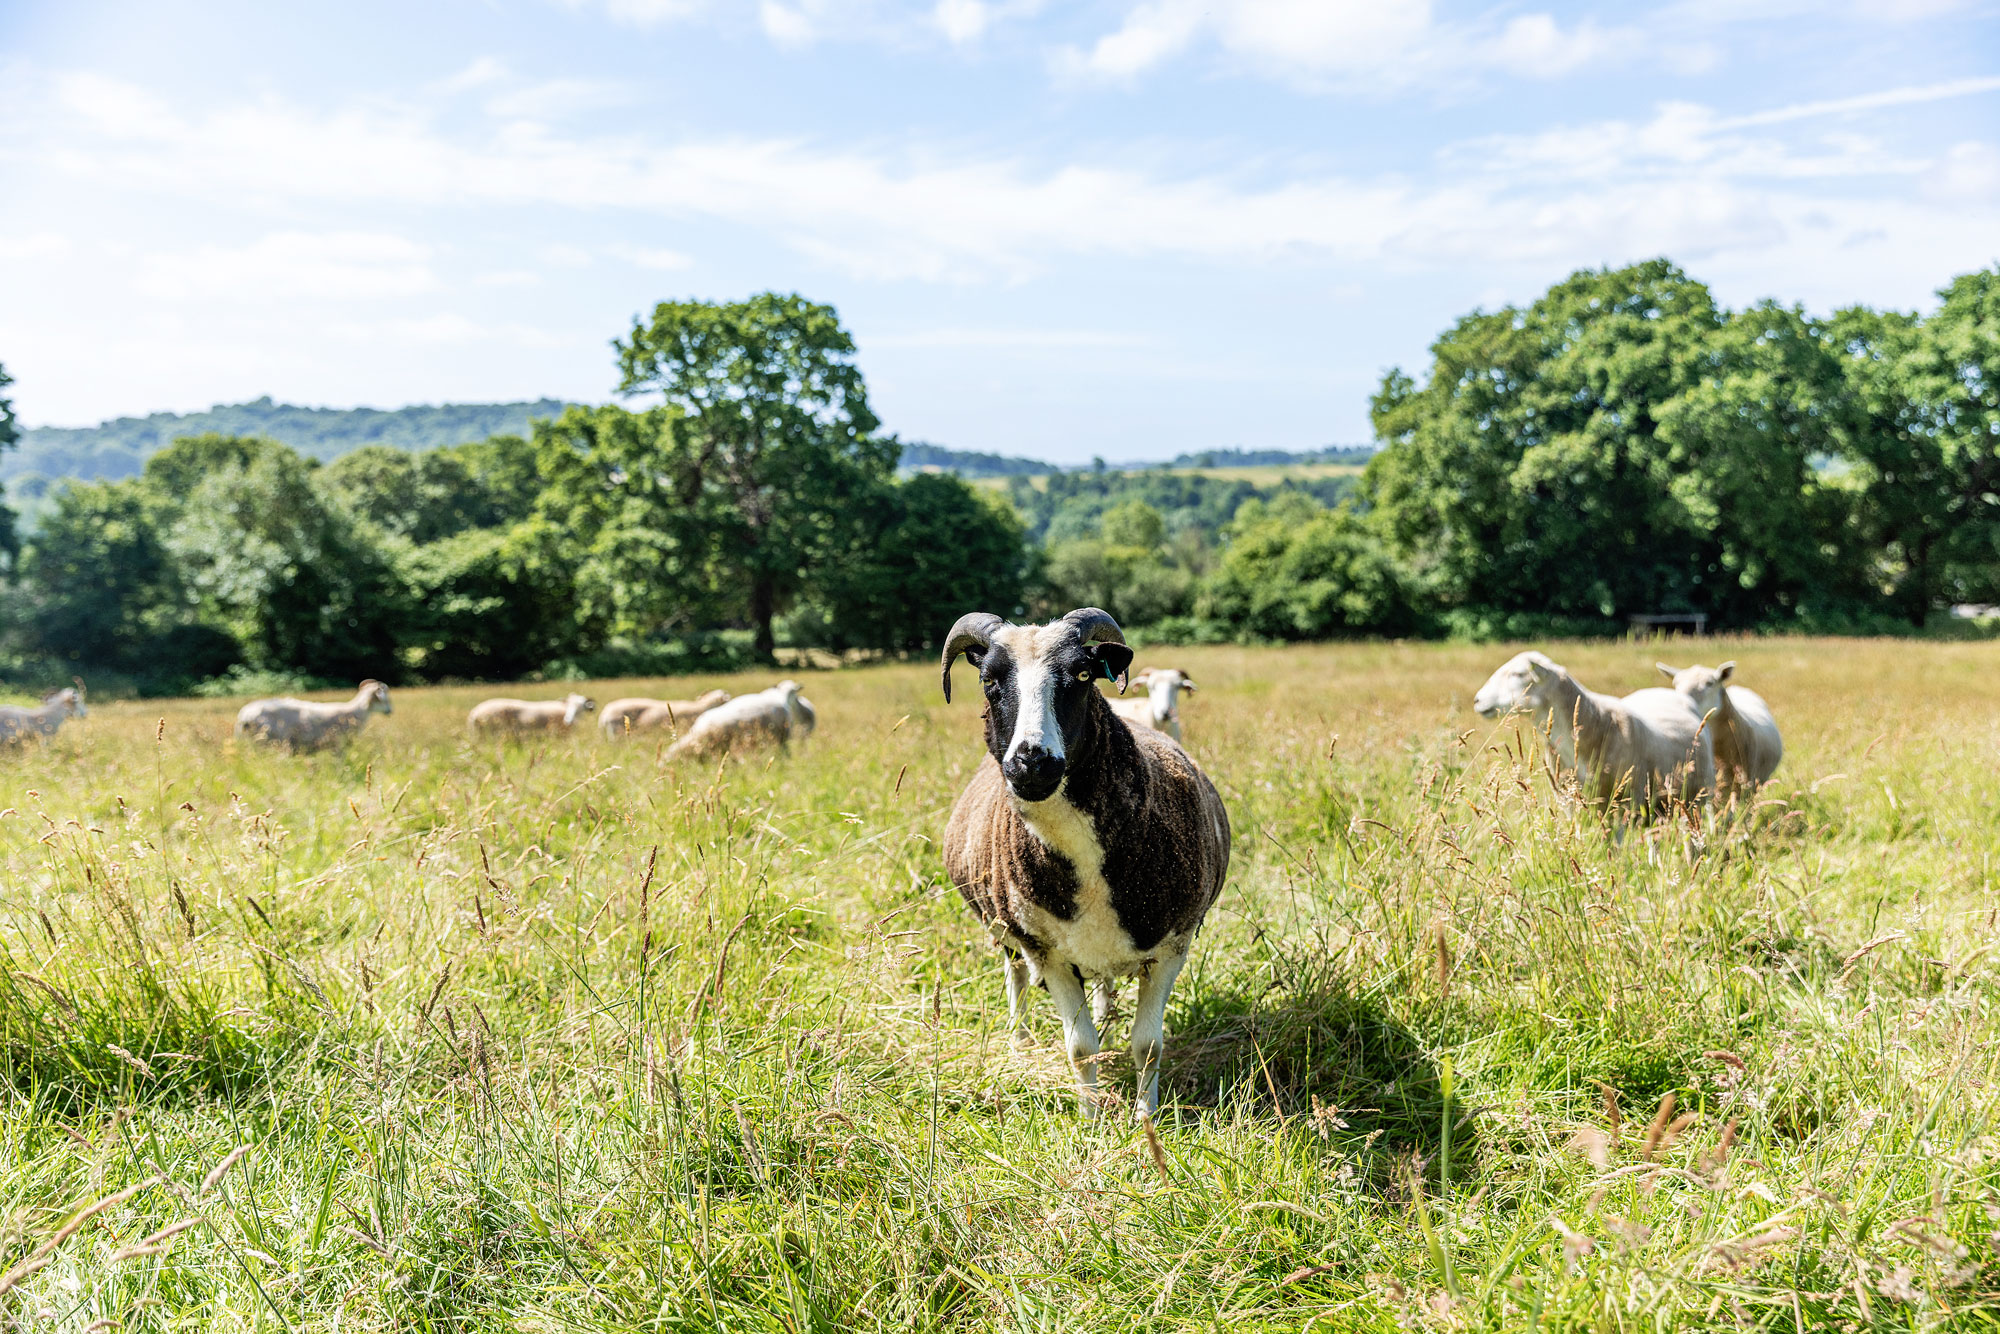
x: 437, y: 1033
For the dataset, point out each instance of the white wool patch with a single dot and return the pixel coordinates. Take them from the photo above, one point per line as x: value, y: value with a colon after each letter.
x: 1034, y: 689
x: 1093, y: 940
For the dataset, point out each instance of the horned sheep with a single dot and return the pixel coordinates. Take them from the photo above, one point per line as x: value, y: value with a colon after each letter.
x: 17, y: 724
x: 1089, y: 849
x: 521, y: 715
x: 777, y: 716
x: 1160, y: 707
x: 305, y: 725
x: 623, y: 716
x: 1642, y: 751
x: 1748, y: 747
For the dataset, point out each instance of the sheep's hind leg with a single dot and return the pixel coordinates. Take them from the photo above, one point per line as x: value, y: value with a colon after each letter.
x: 1149, y: 1030
x: 1017, y: 995
x: 1065, y: 986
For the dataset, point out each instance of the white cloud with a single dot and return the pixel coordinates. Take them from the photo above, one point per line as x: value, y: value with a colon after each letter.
x: 788, y: 25
x: 962, y: 21
x: 1685, y: 182
x: 647, y: 13
x: 34, y: 246
x: 1971, y: 171
x: 331, y: 266
x: 1383, y: 43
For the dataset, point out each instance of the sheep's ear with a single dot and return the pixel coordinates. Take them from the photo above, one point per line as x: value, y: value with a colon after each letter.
x: 1116, y: 662
x: 1187, y: 684
x: 1726, y: 670
x: 1666, y: 671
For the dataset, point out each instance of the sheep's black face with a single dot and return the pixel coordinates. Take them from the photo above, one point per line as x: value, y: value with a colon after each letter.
x: 1038, y: 682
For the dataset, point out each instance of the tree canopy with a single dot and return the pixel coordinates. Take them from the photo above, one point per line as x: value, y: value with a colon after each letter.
x: 770, y: 435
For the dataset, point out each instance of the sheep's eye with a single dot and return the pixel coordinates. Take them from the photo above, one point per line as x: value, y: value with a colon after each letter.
x: 1083, y: 676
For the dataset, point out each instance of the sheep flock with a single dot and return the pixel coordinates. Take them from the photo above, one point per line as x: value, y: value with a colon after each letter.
x: 1088, y: 842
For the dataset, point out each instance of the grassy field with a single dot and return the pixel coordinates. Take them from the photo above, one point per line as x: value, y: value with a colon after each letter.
x: 442, y: 1035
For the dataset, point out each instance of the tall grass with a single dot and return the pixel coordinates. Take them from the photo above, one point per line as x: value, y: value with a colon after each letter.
x: 443, y: 1034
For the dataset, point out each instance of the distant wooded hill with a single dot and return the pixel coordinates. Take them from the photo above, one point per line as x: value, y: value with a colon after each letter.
x: 120, y: 448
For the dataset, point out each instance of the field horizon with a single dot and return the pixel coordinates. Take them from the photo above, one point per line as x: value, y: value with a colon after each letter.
x: 444, y: 1033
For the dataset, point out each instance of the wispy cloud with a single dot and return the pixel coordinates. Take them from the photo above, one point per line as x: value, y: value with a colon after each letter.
x: 1383, y: 43
x: 1685, y: 182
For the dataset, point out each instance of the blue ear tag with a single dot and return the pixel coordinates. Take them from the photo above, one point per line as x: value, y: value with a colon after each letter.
x: 1105, y: 667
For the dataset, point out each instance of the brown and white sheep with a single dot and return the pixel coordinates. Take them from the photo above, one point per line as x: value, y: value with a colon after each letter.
x: 1640, y: 752
x: 777, y: 716
x: 1160, y: 707
x: 1747, y: 745
x: 623, y: 716
x: 1089, y: 849
x: 305, y: 725
x: 17, y: 724
x: 522, y: 715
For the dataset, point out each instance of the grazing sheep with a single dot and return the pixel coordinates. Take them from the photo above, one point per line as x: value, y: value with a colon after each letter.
x: 1090, y: 849
x: 521, y: 715
x: 777, y: 716
x: 1638, y: 752
x: 18, y: 724
x: 1747, y: 745
x: 304, y: 725
x: 621, y: 716
x: 1160, y: 707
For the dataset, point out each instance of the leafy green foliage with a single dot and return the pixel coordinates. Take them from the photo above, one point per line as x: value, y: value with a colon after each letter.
x: 267, y: 558
x: 10, y: 542
x: 1296, y: 570
x: 1566, y: 457
x: 930, y: 549
x: 772, y: 436
x: 431, y: 496
x: 1927, y: 451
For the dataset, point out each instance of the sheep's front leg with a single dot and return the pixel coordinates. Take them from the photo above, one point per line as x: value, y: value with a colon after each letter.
x: 1017, y: 994
x: 1079, y: 1034
x: 1103, y: 1000
x: 1149, y: 1029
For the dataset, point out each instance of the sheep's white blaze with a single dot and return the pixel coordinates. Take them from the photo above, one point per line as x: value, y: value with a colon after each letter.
x: 1034, y: 692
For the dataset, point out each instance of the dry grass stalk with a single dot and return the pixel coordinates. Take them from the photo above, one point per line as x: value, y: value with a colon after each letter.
x: 43, y: 1253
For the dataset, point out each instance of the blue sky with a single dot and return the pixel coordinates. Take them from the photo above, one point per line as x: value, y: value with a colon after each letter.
x: 1127, y: 227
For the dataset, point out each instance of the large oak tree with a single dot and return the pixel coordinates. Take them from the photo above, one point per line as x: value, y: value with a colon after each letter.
x: 773, y: 437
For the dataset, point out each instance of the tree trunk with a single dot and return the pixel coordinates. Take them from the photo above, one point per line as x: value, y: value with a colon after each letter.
x: 764, y: 607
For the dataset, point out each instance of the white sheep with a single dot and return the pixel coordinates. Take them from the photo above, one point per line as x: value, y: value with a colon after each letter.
x: 1745, y: 735
x: 776, y: 716
x: 521, y: 715
x: 17, y: 724
x: 624, y: 716
x: 1160, y: 707
x: 1640, y: 752
x: 303, y: 724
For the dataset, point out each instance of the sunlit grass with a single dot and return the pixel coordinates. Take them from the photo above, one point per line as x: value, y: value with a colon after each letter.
x: 557, y: 1036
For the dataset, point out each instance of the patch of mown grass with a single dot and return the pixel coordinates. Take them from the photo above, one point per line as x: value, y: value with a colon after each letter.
x: 558, y: 1036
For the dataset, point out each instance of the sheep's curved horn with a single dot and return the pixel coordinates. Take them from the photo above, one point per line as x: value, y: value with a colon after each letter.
x: 972, y: 630
x: 1094, y: 625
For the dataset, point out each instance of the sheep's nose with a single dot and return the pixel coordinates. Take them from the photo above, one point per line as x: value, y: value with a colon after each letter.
x: 1033, y: 772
